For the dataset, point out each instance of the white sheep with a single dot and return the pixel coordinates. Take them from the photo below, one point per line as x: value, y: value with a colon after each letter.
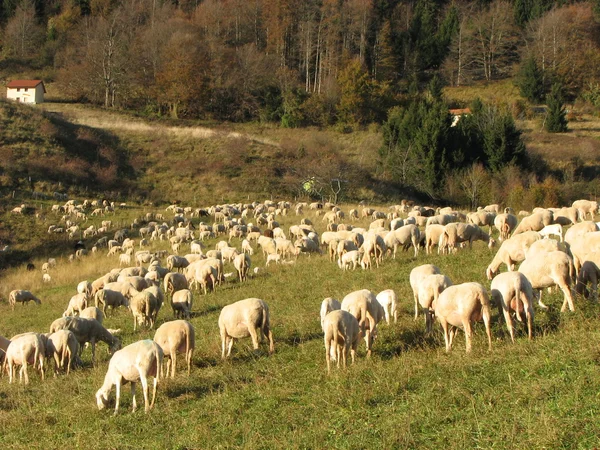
x: 24, y: 349
x: 548, y: 269
x: 137, y: 361
x: 177, y: 336
x: 512, y: 291
x: 108, y: 297
x: 459, y: 306
x: 143, y: 306
x: 430, y: 288
x: 46, y: 278
x: 389, y: 301
x: 349, y: 259
x: 65, y: 348
x: 273, y: 257
x: 124, y: 259
x: 511, y: 252
x: 363, y: 305
x: 21, y: 296
x: 552, y: 230
x: 77, y: 304
x: 249, y: 317
x: 181, y: 303
x: 415, y: 278
x: 589, y: 273
x: 342, y: 334
x: 327, y: 305
x: 242, y: 264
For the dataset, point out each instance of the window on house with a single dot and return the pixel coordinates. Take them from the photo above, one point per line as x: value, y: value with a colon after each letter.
x: 25, y: 89
x: 18, y: 89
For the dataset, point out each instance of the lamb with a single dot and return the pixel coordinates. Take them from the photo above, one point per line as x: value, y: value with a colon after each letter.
x: 24, y: 349
x: 430, y: 288
x: 552, y: 230
x: 249, y: 317
x: 389, y: 301
x: 65, y: 348
x: 511, y: 252
x: 548, y: 269
x: 512, y: 291
x: 87, y: 330
x: 534, y: 222
x: 327, y: 305
x: 342, y: 333
x: 459, y: 306
x: 108, y: 297
x: 505, y: 224
x: 177, y: 336
x: 364, y: 306
x: 181, y: 303
x: 143, y: 307
x: 589, y: 273
x: 416, y: 276
x: 137, y: 361
x: 77, y: 304
x: 85, y: 287
x: 242, y: 264
x: 246, y: 247
x: 22, y: 296
x: 348, y: 259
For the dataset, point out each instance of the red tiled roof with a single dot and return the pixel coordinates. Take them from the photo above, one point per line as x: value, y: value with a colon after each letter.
x: 25, y: 84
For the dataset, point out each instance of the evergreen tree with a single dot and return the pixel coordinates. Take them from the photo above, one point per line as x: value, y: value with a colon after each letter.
x: 522, y: 12
x: 556, y: 121
x: 435, y: 88
x: 530, y: 81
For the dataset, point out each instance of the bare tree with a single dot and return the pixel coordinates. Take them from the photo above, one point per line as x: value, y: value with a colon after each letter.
x: 23, y: 35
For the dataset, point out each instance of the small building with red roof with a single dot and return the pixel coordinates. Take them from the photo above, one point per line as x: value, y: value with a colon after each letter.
x: 26, y: 91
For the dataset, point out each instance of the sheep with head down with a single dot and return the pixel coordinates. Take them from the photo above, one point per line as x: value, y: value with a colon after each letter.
x: 363, y: 305
x: 512, y: 292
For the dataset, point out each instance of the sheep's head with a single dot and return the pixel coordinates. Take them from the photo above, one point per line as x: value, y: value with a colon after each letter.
x: 491, y: 243
x: 490, y: 273
x: 101, y: 399
x: 115, y: 346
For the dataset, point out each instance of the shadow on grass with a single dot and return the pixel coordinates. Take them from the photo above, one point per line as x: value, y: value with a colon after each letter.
x: 197, y: 391
x: 296, y: 338
x: 206, y: 311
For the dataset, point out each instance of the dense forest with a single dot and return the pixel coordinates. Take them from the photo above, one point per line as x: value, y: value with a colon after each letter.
x: 342, y: 64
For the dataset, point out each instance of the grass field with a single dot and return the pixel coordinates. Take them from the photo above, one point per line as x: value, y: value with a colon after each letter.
x: 410, y: 394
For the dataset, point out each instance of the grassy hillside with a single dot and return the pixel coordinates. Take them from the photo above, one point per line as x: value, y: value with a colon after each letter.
x: 410, y: 394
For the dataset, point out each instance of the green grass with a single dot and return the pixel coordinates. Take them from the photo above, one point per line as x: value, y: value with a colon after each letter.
x: 410, y: 394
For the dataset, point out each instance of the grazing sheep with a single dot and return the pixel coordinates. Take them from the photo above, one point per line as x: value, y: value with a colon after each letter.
x: 505, y: 224
x: 432, y: 237
x: 85, y: 287
x: 181, y: 303
x: 3, y: 346
x: 548, y: 269
x: 77, y: 304
x: 327, y: 305
x: 249, y: 317
x: 87, y: 330
x: 534, y: 222
x: 65, y: 349
x: 404, y: 236
x: 177, y: 336
x: 459, y: 306
x: 177, y: 262
x: 416, y: 276
x: 46, y: 278
x: 242, y: 264
x: 511, y: 252
x: 342, y: 333
x: 108, y: 297
x: 586, y: 207
x: 28, y: 348
x: 174, y: 282
x: 143, y: 306
x: 91, y: 312
x: 579, y: 229
x: 455, y: 233
x: 389, y: 301
x: 430, y: 288
x: 552, y: 230
x: 589, y: 273
x: 22, y: 296
x: 137, y: 361
x: 512, y: 291
x: 348, y: 259
x: 363, y: 305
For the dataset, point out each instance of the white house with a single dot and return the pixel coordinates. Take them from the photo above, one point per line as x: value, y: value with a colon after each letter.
x: 26, y: 91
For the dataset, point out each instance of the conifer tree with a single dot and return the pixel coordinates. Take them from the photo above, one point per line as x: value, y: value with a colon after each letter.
x: 530, y: 81
x: 556, y: 121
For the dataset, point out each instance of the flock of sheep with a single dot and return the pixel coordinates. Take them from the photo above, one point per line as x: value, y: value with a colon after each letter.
x: 570, y: 263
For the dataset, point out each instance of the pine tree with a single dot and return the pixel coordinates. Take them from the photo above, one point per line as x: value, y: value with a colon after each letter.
x: 530, y: 81
x: 522, y: 12
x: 556, y: 121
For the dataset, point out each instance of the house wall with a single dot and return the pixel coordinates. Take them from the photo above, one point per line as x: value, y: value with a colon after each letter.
x: 31, y: 95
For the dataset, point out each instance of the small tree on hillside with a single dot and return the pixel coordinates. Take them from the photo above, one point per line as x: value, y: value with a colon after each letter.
x: 556, y: 120
x: 530, y: 81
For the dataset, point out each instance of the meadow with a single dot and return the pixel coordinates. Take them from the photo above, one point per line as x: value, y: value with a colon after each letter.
x: 410, y: 394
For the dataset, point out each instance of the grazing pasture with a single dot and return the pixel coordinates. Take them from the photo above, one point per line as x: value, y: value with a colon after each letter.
x: 409, y: 394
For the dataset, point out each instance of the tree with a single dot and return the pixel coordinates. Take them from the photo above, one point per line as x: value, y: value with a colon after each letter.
x: 556, y: 120
x: 23, y: 35
x: 355, y: 87
x: 530, y: 81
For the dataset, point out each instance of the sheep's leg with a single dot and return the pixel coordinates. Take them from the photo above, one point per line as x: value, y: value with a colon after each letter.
x: 173, y: 363
x: 539, y: 291
x: 508, y: 319
x: 189, y: 360
x: 154, y: 387
x: 568, y: 298
x: 327, y: 354
x: 395, y: 311
x: 41, y: 365
x: 446, y: 335
x: 254, y: 336
x: 416, y: 307
x: 133, y: 400
x: 231, y: 340
x: 223, y: 344
x: 468, y: 334
x: 144, y: 381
